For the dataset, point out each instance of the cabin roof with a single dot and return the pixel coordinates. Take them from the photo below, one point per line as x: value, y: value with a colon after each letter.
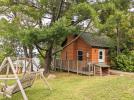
x: 96, y: 41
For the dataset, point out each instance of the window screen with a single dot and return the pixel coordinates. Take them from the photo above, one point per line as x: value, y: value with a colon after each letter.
x: 80, y: 55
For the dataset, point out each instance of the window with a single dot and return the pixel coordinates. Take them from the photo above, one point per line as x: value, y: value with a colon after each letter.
x: 100, y: 55
x: 80, y: 55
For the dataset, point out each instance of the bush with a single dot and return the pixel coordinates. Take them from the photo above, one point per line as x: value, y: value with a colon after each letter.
x: 2, y: 56
x: 125, y: 62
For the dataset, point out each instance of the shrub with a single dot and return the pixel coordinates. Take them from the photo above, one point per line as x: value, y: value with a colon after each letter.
x: 125, y: 62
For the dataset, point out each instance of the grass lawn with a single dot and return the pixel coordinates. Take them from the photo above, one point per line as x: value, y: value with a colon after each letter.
x: 75, y: 87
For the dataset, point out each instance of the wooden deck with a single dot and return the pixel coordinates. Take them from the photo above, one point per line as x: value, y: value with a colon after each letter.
x: 75, y: 71
x: 84, y: 68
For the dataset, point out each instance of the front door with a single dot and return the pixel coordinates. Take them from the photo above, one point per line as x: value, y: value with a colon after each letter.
x: 101, y: 58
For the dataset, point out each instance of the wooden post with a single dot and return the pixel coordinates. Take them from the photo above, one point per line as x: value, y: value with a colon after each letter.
x: 85, y: 65
x: 7, y: 78
x: 89, y: 66
x: 17, y: 66
x: 77, y: 67
x: 26, y: 63
x: 61, y: 65
x: 31, y: 65
x: 109, y: 71
x: 100, y: 70
x: 94, y: 69
x: 35, y: 64
x: 56, y: 64
x: 68, y: 65
x: 44, y: 79
x: 7, y: 70
x: 17, y: 79
x: 3, y: 63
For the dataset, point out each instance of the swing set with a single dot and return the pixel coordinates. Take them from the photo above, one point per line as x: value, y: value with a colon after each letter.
x: 26, y: 81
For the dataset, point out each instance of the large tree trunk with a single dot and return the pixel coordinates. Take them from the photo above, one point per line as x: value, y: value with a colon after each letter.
x: 48, y: 60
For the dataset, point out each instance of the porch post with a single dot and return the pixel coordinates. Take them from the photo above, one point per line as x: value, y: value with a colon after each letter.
x: 68, y: 65
x: 100, y: 70
x: 89, y: 66
x: 94, y: 69
x: 61, y: 65
x: 77, y: 67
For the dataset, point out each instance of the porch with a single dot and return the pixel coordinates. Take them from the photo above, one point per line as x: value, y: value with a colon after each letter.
x: 81, y: 67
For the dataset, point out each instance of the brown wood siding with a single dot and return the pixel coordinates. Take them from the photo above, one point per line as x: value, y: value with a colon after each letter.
x: 80, y: 44
x: 69, y: 50
x: 94, y: 55
x: 106, y: 57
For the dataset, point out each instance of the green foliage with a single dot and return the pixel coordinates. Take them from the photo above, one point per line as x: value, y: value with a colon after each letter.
x: 28, y: 10
x: 2, y: 56
x: 110, y: 18
x: 122, y: 4
x: 84, y: 11
x: 105, y: 10
x: 8, y: 37
x: 125, y: 62
x: 117, y: 23
x: 27, y: 37
x: 57, y: 32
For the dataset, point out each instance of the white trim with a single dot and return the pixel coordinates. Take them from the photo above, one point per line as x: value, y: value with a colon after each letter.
x: 103, y: 56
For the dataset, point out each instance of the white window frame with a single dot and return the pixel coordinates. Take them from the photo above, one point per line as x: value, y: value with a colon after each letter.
x: 103, y: 56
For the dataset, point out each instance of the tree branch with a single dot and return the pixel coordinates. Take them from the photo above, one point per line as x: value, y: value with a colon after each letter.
x: 47, y: 17
x: 37, y: 46
x: 73, y: 39
x: 60, y: 8
x: 40, y: 53
x: 4, y: 10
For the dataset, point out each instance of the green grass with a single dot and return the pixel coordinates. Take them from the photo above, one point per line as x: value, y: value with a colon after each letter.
x: 75, y: 87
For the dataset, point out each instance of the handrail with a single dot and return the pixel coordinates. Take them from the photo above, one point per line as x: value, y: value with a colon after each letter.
x: 8, y: 78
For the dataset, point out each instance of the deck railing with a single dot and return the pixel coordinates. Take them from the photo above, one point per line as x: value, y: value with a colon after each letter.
x: 80, y: 67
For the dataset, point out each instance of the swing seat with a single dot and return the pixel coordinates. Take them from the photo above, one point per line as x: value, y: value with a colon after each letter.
x: 21, y: 84
x: 26, y: 81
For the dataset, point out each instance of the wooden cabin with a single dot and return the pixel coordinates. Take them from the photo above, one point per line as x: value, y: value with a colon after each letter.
x: 86, y: 55
x: 87, y: 47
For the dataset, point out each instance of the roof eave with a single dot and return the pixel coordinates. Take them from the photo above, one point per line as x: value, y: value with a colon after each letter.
x: 104, y: 47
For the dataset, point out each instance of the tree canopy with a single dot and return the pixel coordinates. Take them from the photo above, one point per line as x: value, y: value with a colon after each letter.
x: 44, y: 24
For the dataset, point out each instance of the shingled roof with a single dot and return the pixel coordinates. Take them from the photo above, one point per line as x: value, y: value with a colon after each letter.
x: 96, y: 41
